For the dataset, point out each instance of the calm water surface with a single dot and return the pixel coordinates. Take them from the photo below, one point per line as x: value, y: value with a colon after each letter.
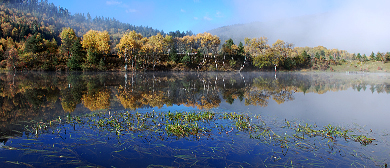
x: 194, y: 119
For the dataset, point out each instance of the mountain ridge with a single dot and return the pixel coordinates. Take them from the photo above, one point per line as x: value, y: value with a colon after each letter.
x: 298, y: 30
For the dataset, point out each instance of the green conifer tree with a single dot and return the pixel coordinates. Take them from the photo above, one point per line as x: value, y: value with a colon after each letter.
x: 77, y: 54
x: 359, y: 57
x: 372, y: 56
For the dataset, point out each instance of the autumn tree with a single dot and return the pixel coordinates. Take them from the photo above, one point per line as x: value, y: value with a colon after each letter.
x: 145, y: 51
x: 5, y: 46
x: 379, y: 56
x: 12, y: 58
x: 156, y: 43
x: 208, y: 43
x: 1, y: 53
x: 168, y: 44
x: 303, y: 60
x: 353, y: 56
x: 97, y: 44
x: 89, y: 41
x: 257, y: 50
x: 170, y: 48
x: 50, y: 55
x: 103, y: 43
x: 129, y: 45
x: 215, y: 42
x: 179, y: 45
x: 51, y: 46
x: 34, y: 44
x: 283, y: 49
x: 191, y: 43
x: 232, y: 52
x: 387, y: 56
x: 68, y: 37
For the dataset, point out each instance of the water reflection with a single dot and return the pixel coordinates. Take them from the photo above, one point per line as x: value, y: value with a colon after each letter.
x: 120, y: 132
x: 44, y: 96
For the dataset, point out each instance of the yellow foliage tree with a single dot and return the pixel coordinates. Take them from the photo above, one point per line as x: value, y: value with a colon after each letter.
x: 98, y: 42
x: 103, y: 42
x: 209, y: 43
x: 168, y: 41
x: 281, y: 50
x: 259, y: 51
x: 130, y: 42
x: 156, y: 43
x: 145, y: 50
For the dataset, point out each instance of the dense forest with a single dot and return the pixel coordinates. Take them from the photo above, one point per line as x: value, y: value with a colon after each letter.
x: 41, y: 36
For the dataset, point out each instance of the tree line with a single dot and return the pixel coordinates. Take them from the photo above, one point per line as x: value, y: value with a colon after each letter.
x: 40, y: 36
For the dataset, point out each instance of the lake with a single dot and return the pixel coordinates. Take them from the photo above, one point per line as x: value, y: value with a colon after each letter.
x: 194, y: 119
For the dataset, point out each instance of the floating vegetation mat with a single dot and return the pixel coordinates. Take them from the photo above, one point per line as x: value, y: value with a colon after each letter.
x: 185, y: 139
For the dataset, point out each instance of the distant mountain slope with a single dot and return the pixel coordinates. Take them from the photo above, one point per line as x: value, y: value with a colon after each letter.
x: 301, y: 31
x: 21, y: 18
x: 28, y: 17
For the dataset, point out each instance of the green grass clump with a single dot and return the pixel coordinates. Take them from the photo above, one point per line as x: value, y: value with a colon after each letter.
x: 331, y: 132
x: 364, y: 140
x: 183, y: 124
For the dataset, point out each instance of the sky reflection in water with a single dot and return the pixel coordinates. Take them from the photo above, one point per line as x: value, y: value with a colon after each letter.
x: 356, y: 102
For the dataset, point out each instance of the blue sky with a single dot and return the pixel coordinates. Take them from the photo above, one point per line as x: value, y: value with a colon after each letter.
x: 196, y: 15
x: 353, y: 25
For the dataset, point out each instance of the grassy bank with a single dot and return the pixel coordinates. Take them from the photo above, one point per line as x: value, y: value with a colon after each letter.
x: 348, y: 66
x: 357, y: 66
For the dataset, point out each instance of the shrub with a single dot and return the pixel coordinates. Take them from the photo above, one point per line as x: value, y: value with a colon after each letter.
x: 232, y: 63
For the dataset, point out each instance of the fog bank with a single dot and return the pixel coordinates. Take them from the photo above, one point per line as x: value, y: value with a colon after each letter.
x: 356, y: 26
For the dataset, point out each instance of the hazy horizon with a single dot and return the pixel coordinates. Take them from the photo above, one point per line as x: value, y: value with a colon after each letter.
x: 355, y: 26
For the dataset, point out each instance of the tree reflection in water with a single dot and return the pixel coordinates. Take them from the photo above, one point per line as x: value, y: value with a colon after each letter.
x: 30, y: 100
x: 45, y: 96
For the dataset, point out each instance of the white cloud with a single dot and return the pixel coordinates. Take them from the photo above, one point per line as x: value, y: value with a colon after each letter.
x: 352, y: 25
x: 128, y: 9
x: 207, y: 18
x: 122, y: 5
x: 218, y: 14
x: 182, y: 10
x: 113, y: 2
x: 196, y: 18
x: 131, y: 10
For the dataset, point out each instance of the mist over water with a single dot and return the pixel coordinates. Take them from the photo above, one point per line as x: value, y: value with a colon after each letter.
x: 212, y: 119
x: 355, y: 26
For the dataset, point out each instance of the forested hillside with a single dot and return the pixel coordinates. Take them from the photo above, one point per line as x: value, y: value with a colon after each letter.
x: 40, y: 36
x: 43, y: 21
x: 49, y: 15
x: 27, y: 15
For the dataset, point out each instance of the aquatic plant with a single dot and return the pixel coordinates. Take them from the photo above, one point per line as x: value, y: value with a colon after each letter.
x: 328, y: 131
x: 151, y: 133
x: 363, y: 139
